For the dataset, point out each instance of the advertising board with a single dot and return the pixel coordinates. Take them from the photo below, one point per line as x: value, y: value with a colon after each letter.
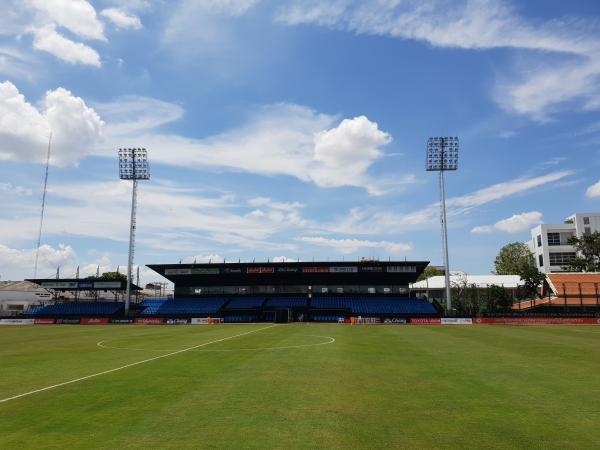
x: 401, y: 269
x: 255, y: 270
x: 425, y: 321
x: 199, y: 321
x: 176, y: 321
x: 343, y: 269
x: 205, y: 271
x: 456, y: 321
x: 315, y: 269
x: 59, y: 284
x: 371, y: 269
x: 107, y: 284
x: 538, y: 320
x: 178, y: 271
x: 16, y: 321
x: 395, y: 321
x: 121, y: 321
x: 94, y: 321
x: 44, y: 321
x: 149, y: 321
x: 67, y: 321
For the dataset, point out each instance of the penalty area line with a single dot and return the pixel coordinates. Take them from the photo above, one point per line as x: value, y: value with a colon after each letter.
x: 137, y: 363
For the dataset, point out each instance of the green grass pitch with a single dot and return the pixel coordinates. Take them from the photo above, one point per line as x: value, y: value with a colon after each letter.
x: 293, y: 386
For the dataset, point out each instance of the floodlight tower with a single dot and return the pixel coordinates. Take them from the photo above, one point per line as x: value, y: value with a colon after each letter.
x: 133, y: 165
x: 442, y: 155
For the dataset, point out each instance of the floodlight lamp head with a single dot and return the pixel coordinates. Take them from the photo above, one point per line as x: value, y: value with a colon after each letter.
x: 442, y: 154
x: 133, y: 164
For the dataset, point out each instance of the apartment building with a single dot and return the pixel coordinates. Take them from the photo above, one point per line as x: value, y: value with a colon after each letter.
x: 549, y: 242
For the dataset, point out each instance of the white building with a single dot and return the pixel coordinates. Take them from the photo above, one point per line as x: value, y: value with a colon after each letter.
x: 435, y: 287
x: 549, y: 241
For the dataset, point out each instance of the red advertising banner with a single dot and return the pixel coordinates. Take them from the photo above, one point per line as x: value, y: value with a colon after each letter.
x: 537, y: 320
x: 150, y: 320
x: 261, y: 270
x: 315, y: 269
x: 94, y: 321
x: 425, y: 321
x: 44, y: 321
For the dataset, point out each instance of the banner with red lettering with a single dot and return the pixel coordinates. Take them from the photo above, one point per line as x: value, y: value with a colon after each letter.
x: 94, y: 321
x: 538, y: 320
x: 44, y: 321
x: 150, y: 320
x: 425, y: 321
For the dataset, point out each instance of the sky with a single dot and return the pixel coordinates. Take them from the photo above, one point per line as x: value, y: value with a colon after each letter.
x: 292, y: 129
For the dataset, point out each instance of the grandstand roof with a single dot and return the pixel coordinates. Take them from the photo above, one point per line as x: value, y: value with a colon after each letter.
x: 83, y: 284
x: 482, y: 281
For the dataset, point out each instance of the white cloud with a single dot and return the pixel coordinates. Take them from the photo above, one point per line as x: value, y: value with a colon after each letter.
x: 517, y: 223
x: 47, y: 39
x: 122, y: 19
x: 24, y: 129
x: 348, y: 246
x: 19, y: 263
x: 279, y: 139
x: 593, y: 191
x: 78, y: 16
x: 479, y: 24
x: 367, y: 221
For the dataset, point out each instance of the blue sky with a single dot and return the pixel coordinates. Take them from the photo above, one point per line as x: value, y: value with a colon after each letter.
x: 293, y: 129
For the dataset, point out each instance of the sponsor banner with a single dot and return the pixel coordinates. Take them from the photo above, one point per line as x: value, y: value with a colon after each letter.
x: 425, y: 321
x: 401, y: 269
x: 206, y: 271
x: 287, y: 269
x: 232, y: 270
x: 371, y: 269
x: 16, y: 322
x: 44, y: 321
x: 176, y: 321
x: 315, y: 269
x: 85, y: 285
x: 121, y: 321
x: 456, y: 321
x: 107, y: 284
x: 206, y: 320
x: 395, y: 321
x: 538, y: 320
x: 343, y: 269
x: 260, y: 270
x: 94, y: 321
x: 149, y: 320
x: 178, y: 271
x: 68, y: 321
x: 59, y: 284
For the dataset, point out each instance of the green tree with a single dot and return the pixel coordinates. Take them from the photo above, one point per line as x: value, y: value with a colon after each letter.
x: 498, y: 299
x: 532, y: 279
x: 114, y: 275
x: 588, y: 249
x: 429, y: 272
x: 513, y: 259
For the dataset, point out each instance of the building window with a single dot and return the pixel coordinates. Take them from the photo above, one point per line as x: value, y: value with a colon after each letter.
x: 553, y: 238
x: 541, y: 260
x: 561, y: 259
x: 586, y: 220
x: 539, y: 240
x: 587, y: 230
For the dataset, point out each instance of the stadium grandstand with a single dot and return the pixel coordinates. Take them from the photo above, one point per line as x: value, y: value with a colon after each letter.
x: 291, y: 291
x: 252, y: 292
x: 566, y: 293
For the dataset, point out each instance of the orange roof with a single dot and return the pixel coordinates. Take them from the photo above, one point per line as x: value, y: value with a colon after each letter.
x: 574, y: 284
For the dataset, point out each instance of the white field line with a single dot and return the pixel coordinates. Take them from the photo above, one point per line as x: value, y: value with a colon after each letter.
x: 47, y: 388
x: 331, y: 340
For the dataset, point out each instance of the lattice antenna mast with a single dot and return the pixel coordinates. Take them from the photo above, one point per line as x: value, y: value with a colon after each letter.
x: 442, y: 155
x: 39, y: 239
x: 133, y: 165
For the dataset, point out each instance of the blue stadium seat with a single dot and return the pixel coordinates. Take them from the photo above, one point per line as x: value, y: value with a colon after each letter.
x: 245, y: 303
x: 197, y: 305
x: 78, y: 309
x: 374, y: 305
x: 286, y: 302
